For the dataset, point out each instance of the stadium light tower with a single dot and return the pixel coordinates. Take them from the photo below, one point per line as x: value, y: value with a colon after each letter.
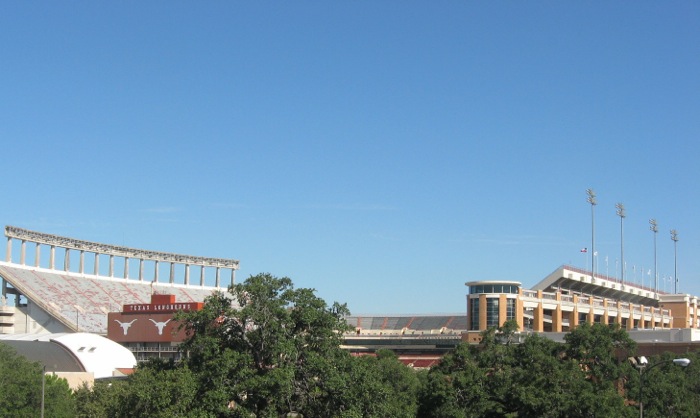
x: 655, y: 229
x: 592, y: 200
x: 674, y: 237
x: 621, y: 213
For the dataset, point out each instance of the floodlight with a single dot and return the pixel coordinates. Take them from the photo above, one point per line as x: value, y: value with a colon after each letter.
x: 683, y: 362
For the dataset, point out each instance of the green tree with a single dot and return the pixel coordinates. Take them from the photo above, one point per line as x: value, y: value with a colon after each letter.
x: 596, y: 347
x: 20, y: 388
x: 267, y: 356
x: 378, y: 387
x: 100, y: 400
x: 500, y: 377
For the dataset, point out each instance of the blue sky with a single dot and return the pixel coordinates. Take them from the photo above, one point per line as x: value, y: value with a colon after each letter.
x: 383, y: 153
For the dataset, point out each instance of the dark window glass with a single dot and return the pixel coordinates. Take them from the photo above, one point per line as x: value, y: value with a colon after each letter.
x: 492, y: 312
x: 510, y: 309
x: 474, y: 314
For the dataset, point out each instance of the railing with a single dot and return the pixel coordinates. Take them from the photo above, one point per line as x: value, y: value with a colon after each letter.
x: 153, y: 349
x: 609, y: 278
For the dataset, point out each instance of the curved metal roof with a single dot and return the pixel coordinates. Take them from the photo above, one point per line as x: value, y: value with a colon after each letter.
x: 76, y: 352
x: 55, y: 357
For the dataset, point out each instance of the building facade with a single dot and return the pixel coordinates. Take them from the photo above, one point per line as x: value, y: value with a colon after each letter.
x: 149, y: 330
x: 569, y: 297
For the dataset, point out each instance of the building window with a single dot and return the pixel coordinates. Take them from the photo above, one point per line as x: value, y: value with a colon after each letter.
x: 496, y: 288
x: 474, y: 314
x: 510, y: 309
x: 491, y: 312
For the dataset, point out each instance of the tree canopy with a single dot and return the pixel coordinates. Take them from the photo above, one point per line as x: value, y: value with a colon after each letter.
x: 279, y: 351
x: 537, y: 377
x: 20, y: 388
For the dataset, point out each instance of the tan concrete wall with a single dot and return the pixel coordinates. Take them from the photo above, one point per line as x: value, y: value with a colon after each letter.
x: 76, y: 379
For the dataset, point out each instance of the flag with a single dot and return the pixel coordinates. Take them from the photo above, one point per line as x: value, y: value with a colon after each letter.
x: 584, y: 250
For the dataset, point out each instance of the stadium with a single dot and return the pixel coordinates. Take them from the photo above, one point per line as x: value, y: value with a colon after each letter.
x: 128, y: 296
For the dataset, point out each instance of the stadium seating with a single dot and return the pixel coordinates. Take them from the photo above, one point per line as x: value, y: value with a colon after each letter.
x: 85, y: 300
x: 408, y: 324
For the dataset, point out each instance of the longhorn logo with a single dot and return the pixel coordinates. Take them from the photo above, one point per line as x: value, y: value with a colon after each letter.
x: 160, y: 325
x: 125, y: 325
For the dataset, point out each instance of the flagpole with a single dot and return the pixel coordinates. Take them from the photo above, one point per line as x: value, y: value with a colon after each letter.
x: 607, y: 267
x: 674, y: 238
x: 653, y: 227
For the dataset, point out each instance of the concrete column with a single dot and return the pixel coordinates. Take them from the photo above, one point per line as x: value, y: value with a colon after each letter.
x: 82, y: 261
x: 233, y: 277
x: 187, y: 274
x: 502, y: 309
x: 538, y: 317
x: 22, y: 252
x: 557, y: 319
x: 573, y: 323
x: 201, y: 277
x: 155, y: 275
x: 37, y: 255
x: 66, y: 260
x: 140, y: 269
x: 605, y: 320
x: 218, y: 277
x: 618, y: 319
x: 8, y: 250
x: 126, y: 267
x: 556, y: 314
x: 97, y: 264
x: 111, y: 266
x: 642, y: 321
x: 52, y: 258
x: 630, y: 320
x: 538, y: 314
x: 172, y: 272
x: 519, y: 311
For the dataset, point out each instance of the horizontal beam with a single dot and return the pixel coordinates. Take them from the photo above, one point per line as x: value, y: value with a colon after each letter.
x: 95, y: 247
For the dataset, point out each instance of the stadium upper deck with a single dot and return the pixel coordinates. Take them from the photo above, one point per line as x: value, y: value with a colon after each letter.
x: 47, y: 299
x: 571, y: 296
x: 408, y: 324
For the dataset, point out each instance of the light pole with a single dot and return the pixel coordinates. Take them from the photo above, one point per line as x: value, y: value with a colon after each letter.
x: 592, y: 200
x: 641, y: 364
x: 78, y: 310
x: 654, y: 228
x: 621, y: 213
x: 674, y: 237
